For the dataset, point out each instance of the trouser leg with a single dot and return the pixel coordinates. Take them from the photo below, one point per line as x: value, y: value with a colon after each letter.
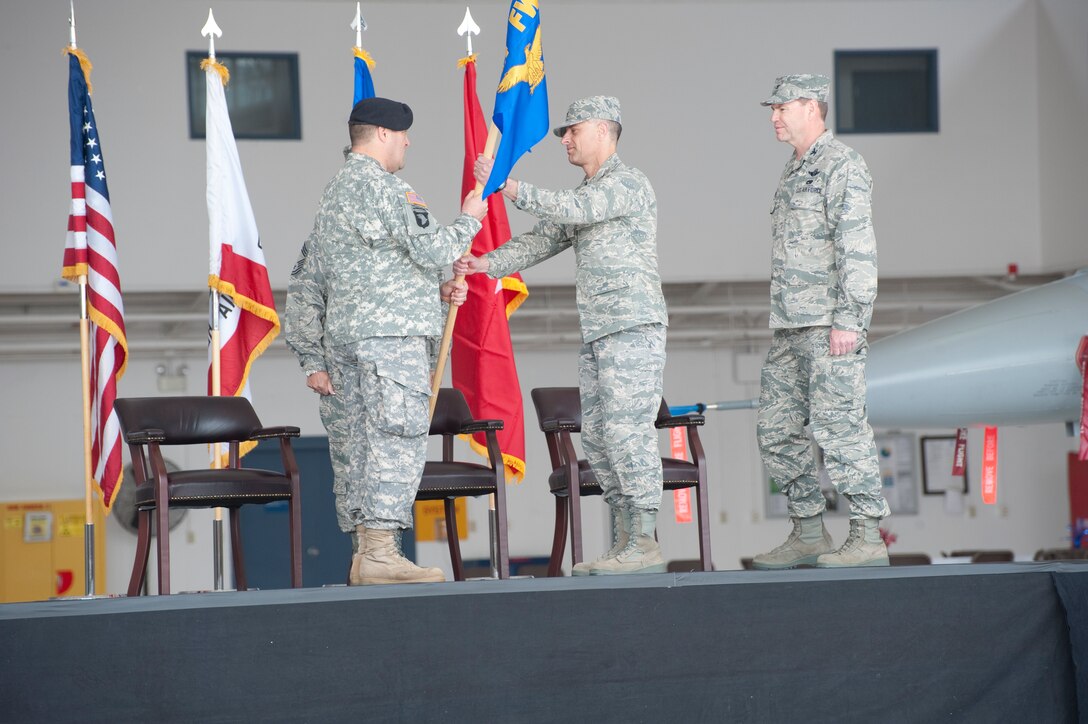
x: 841, y: 428
x: 386, y: 398
x: 622, y: 384
x: 783, y: 409
x: 334, y: 418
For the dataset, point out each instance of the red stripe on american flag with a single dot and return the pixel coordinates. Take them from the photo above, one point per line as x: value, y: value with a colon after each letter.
x: 105, y: 268
x: 100, y: 223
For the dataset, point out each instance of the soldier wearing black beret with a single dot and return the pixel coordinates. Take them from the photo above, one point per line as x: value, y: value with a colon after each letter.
x: 364, y: 315
x: 394, y: 115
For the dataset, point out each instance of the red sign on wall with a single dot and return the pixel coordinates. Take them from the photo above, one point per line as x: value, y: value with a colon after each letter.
x: 681, y: 499
x: 989, y: 466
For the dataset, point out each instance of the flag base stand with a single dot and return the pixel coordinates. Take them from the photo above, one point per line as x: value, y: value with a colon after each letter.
x: 217, y: 552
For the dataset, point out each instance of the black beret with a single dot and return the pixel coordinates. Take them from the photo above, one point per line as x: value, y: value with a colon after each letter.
x: 394, y: 115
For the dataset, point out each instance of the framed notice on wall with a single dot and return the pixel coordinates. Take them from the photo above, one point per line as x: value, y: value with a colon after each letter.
x: 938, y: 452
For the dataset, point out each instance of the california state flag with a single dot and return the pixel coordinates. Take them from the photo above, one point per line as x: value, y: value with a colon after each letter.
x: 247, y: 314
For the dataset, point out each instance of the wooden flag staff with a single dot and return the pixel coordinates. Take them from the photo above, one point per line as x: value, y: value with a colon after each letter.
x: 85, y: 374
x: 451, y: 317
x: 468, y: 28
x: 210, y: 31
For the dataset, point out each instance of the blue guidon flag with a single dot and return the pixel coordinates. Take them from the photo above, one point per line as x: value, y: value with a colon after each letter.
x: 364, y: 83
x: 521, y: 101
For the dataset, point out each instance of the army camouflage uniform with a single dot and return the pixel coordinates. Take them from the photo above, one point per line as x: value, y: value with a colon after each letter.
x: 305, y: 319
x: 611, y: 222
x: 823, y: 276
x: 375, y: 258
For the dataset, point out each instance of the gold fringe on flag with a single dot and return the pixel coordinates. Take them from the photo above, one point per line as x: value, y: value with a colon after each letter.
x: 521, y: 292
x: 360, y: 53
x: 84, y: 63
x: 462, y: 62
x: 224, y: 74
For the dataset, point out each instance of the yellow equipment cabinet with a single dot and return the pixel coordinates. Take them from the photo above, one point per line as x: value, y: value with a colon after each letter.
x: 41, y: 550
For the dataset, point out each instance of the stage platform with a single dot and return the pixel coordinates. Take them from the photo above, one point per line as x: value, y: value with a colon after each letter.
x: 953, y: 643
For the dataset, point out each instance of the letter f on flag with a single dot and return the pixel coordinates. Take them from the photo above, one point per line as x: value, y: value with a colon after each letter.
x: 521, y: 101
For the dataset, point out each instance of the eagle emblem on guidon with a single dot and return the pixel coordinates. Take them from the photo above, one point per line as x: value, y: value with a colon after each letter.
x: 531, y: 71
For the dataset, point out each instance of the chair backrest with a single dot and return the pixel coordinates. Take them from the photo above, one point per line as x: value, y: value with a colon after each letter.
x: 558, y: 403
x: 998, y: 556
x: 190, y: 420
x: 451, y: 412
x: 909, y: 559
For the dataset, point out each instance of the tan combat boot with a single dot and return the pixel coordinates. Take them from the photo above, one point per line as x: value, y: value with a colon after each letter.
x: 619, y: 542
x: 641, y: 554
x: 863, y: 547
x: 381, y: 562
x: 358, y: 542
x: 808, y: 541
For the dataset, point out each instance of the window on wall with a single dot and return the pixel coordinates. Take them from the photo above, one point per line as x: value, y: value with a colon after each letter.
x: 262, y: 95
x: 886, y: 91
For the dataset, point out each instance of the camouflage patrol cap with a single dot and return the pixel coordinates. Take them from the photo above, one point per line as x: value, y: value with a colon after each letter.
x: 605, y: 108
x: 794, y: 87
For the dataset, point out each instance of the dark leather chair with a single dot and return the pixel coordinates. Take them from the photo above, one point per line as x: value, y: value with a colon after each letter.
x: 1061, y: 554
x: 148, y: 423
x: 447, y: 479
x: 998, y: 556
x: 559, y: 413
x: 909, y: 559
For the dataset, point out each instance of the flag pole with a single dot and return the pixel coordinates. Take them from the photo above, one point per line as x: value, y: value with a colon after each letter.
x: 85, y: 378
x: 451, y: 316
x: 468, y: 28
x: 211, y: 31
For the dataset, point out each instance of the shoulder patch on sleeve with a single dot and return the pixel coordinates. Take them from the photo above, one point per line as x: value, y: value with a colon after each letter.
x: 305, y: 252
x: 417, y: 216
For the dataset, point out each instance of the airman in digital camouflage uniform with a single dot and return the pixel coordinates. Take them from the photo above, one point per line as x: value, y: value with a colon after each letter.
x: 823, y: 284
x: 364, y: 308
x: 611, y: 222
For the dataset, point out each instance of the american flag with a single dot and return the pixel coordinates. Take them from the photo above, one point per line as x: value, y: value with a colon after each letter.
x: 90, y: 251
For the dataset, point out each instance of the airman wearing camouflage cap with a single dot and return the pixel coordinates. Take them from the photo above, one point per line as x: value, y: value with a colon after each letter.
x: 823, y: 284
x: 795, y: 87
x: 363, y: 315
x: 610, y: 220
x: 602, y: 108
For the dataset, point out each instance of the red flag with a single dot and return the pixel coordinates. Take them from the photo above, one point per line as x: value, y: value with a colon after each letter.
x: 91, y: 252
x: 482, y: 360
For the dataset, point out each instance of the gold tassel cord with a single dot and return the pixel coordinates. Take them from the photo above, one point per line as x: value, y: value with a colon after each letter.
x: 462, y: 62
x: 84, y: 64
x: 360, y: 53
x: 224, y: 74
